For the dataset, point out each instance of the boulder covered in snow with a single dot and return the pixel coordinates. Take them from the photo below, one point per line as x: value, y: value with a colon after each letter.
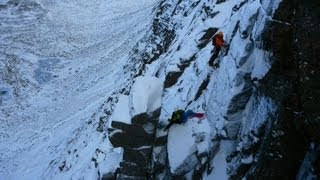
x: 133, y: 125
x: 181, y: 149
x: 146, y: 94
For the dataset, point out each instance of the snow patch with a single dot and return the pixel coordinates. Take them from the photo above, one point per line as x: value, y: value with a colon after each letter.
x: 181, y: 146
x: 122, y: 111
x: 219, y: 162
x: 146, y: 94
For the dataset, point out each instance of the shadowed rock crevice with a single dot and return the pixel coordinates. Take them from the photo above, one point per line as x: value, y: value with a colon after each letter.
x: 205, y: 39
x: 202, y: 87
x: 172, y: 77
x: 220, y: 1
x: 292, y: 83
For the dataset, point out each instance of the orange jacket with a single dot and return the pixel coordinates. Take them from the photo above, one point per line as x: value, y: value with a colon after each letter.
x: 218, y: 41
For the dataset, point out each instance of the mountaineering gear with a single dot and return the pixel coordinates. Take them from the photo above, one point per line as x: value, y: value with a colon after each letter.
x: 218, y: 43
x: 177, y: 116
x: 217, y: 40
x: 190, y: 114
x: 181, y: 116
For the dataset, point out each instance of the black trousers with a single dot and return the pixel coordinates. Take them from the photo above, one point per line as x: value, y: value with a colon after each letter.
x: 214, y: 55
x: 168, y: 126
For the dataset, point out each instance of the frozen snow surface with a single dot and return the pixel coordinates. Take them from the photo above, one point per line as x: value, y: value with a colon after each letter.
x: 70, y: 67
x: 146, y: 94
x: 145, y: 97
x: 122, y: 111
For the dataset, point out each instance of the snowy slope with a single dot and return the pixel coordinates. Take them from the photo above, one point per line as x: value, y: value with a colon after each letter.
x: 60, y: 61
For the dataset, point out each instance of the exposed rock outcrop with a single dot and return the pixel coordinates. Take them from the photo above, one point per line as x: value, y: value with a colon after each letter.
x: 137, y: 142
x: 134, y: 125
x: 290, y: 35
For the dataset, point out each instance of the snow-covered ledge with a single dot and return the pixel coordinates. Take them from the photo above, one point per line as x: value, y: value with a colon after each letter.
x: 146, y: 95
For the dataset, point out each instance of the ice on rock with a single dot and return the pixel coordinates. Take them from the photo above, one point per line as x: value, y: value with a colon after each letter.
x: 135, y: 133
x: 240, y: 49
x: 262, y: 63
x: 247, y: 160
x: 248, y: 17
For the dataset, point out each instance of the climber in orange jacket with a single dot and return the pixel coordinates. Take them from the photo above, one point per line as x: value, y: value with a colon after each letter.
x: 218, y: 43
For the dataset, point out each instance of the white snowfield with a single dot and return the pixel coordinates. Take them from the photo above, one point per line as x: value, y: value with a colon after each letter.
x: 59, y: 62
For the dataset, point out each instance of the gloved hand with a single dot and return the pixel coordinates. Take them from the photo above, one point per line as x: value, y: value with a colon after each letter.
x: 225, y: 44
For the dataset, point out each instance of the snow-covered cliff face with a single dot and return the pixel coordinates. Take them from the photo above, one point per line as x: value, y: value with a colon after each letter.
x: 237, y: 112
x: 250, y: 100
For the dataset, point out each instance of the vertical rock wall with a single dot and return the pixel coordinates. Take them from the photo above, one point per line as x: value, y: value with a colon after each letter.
x: 292, y: 83
x: 289, y: 134
x: 133, y: 127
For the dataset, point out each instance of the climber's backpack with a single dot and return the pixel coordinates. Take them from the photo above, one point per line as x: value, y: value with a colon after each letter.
x: 177, y: 116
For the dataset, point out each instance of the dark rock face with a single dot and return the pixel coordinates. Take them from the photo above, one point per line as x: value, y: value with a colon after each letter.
x: 311, y: 163
x: 220, y: 1
x: 293, y: 84
x: 173, y: 77
x: 202, y: 87
x: 205, y: 39
x: 282, y: 143
x: 131, y: 136
x: 162, y: 29
x: 109, y: 176
x: 137, y: 140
